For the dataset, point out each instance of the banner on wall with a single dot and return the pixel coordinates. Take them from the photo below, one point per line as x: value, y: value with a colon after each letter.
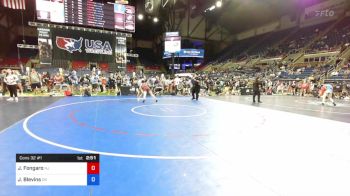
x: 82, y: 45
x: 45, y: 45
x: 193, y: 53
x: 121, y: 50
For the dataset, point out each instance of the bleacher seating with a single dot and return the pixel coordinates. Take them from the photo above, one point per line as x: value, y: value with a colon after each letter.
x: 343, y: 73
x: 265, y: 47
x: 237, y: 48
x: 335, y: 38
x: 302, y: 37
x: 312, y: 39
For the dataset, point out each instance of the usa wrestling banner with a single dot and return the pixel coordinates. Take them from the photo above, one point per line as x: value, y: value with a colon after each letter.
x: 82, y: 45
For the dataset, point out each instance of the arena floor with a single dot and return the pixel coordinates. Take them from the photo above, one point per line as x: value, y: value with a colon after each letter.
x: 290, y: 146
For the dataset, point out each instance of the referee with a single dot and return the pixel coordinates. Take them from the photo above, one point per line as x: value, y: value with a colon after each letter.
x: 195, y: 88
x: 256, y: 89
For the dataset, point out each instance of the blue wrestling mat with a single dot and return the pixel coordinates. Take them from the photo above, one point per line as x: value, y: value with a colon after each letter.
x: 175, y: 147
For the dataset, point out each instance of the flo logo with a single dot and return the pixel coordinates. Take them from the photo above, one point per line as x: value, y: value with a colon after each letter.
x: 326, y: 13
x: 69, y: 44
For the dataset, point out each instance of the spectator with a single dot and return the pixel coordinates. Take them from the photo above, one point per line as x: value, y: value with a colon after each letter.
x: 35, y: 81
x: 11, y: 81
x: 3, y: 83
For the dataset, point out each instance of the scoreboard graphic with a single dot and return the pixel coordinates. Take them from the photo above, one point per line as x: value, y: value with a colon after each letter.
x: 87, y: 13
x: 57, y: 169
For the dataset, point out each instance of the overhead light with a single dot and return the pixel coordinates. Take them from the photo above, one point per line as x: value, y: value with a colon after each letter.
x: 155, y: 19
x: 219, y: 3
x: 211, y: 8
x: 140, y: 16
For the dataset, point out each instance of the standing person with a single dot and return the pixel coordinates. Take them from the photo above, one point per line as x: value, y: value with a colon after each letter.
x: 119, y: 81
x: 85, y: 89
x: 111, y: 83
x: 304, y: 88
x: 73, y: 81
x: 293, y: 87
x: 11, y: 80
x: 103, y: 83
x: 167, y: 84
x: 3, y: 83
x: 177, y: 81
x: 280, y: 87
x: 256, y: 89
x: 47, y: 81
x: 146, y: 89
x: 139, y: 92
x: 19, y: 82
x: 58, y: 81
x: 133, y: 82
x: 195, y: 88
x: 327, y: 91
x: 94, y: 82
x: 35, y: 81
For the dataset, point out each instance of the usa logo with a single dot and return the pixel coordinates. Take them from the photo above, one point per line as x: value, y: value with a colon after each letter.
x: 69, y: 44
